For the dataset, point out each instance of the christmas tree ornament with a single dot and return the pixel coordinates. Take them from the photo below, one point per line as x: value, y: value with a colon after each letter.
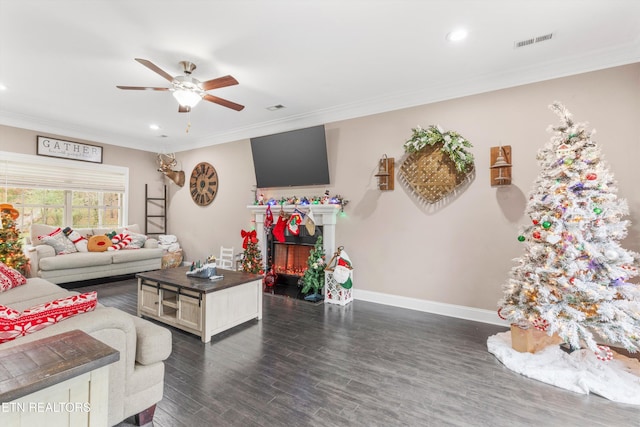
x: 521, y: 238
x: 604, y: 353
x: 546, y: 225
x: 592, y: 176
x: 270, y: 278
x: 597, y: 211
x: 553, y: 238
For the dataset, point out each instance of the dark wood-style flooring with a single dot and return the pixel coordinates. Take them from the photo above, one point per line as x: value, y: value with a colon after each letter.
x: 364, y: 364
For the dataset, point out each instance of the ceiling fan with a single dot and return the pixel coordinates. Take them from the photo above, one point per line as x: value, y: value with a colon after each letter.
x: 187, y: 90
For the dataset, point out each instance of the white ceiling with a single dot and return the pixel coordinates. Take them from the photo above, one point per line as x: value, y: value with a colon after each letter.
x: 324, y: 60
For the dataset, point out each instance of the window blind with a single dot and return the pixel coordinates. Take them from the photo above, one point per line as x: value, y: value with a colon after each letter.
x: 28, y: 171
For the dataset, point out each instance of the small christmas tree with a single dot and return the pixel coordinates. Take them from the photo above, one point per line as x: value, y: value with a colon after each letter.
x: 252, y: 257
x: 573, y: 278
x: 11, y: 253
x: 313, y: 279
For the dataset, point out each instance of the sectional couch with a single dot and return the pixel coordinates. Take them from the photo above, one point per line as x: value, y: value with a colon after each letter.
x: 136, y: 381
x: 78, y: 266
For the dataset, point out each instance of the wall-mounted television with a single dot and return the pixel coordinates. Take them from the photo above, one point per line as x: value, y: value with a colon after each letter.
x: 291, y: 159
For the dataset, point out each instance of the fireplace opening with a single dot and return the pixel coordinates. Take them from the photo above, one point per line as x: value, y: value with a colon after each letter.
x: 289, y: 260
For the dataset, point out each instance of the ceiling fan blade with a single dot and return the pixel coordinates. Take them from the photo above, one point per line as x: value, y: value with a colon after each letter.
x: 219, y: 82
x: 223, y: 102
x: 141, y: 88
x: 183, y: 108
x: 153, y: 67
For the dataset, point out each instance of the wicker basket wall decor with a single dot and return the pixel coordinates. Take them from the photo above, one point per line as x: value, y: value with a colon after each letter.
x: 431, y: 174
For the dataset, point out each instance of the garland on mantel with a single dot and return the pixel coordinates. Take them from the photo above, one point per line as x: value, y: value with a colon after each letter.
x: 303, y: 201
x: 452, y: 143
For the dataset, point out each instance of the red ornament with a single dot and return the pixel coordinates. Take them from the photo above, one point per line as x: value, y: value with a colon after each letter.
x: 270, y: 279
x: 592, y: 176
x: 572, y: 280
x: 541, y: 324
x: 536, y: 234
x: 500, y: 314
x: 535, y: 222
x: 604, y: 353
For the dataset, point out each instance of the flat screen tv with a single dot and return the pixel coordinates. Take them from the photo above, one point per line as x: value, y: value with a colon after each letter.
x: 291, y: 159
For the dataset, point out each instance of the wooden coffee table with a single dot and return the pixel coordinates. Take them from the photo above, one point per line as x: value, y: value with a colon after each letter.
x: 200, y: 306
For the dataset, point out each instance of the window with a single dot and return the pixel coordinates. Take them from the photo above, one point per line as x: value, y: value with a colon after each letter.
x: 64, y: 193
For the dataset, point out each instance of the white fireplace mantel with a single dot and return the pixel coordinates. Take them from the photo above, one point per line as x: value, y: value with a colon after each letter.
x: 323, y: 215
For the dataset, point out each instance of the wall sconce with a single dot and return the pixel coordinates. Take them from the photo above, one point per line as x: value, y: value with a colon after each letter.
x: 500, y: 165
x: 385, y: 173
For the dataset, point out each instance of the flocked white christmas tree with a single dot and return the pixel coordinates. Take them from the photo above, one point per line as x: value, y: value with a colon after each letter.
x: 573, y: 278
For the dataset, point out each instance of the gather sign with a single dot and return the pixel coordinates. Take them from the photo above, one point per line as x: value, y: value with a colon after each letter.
x: 69, y: 150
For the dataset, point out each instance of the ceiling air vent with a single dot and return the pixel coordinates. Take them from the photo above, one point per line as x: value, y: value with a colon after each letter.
x: 533, y: 40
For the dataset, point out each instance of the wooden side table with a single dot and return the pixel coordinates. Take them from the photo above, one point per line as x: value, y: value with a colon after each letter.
x: 62, y: 380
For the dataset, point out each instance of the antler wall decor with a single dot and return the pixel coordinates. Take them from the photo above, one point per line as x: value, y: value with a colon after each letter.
x: 167, y: 162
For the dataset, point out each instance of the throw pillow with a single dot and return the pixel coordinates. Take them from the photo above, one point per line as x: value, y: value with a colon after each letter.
x: 59, y: 242
x: 137, y: 240
x: 14, y: 324
x: 10, y: 278
x: 98, y: 243
x: 120, y: 241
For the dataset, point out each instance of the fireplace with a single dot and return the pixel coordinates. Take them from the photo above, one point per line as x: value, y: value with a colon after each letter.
x: 289, y: 258
x: 291, y: 255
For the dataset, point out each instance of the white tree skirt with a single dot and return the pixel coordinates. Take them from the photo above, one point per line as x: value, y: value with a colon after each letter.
x: 580, y: 371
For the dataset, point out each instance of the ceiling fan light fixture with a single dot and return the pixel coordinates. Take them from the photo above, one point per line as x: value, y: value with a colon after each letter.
x: 186, y: 98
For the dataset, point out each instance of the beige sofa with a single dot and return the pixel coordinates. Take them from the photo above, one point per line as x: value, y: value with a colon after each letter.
x: 136, y: 380
x: 77, y: 266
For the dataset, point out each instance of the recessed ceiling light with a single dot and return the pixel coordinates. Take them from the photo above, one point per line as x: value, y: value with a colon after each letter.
x: 2, y: 87
x: 276, y: 107
x: 457, y: 35
x: 154, y: 127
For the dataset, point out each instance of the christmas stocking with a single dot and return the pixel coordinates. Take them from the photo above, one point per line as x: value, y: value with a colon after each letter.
x: 294, y: 223
x: 268, y: 217
x: 310, y: 223
x: 278, y: 229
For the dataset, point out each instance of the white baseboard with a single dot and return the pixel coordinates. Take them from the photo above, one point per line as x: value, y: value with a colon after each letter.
x: 451, y: 310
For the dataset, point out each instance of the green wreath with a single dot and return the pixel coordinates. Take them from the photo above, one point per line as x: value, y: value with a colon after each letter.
x: 452, y: 143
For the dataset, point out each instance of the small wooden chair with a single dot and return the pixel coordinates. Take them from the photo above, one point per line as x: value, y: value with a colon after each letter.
x: 226, y: 260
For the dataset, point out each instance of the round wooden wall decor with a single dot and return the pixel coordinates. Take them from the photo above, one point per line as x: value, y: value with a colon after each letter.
x: 203, y: 184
